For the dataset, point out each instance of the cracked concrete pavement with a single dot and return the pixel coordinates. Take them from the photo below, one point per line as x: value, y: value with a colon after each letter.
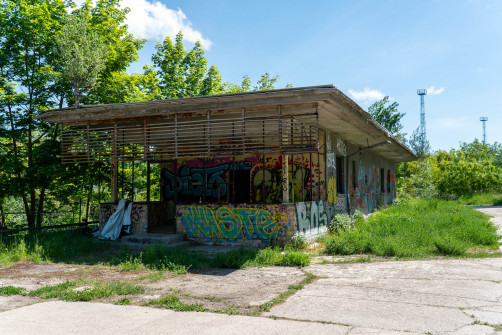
x: 448, y: 296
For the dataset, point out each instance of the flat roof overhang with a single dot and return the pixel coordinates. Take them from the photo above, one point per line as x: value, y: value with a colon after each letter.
x: 337, y: 114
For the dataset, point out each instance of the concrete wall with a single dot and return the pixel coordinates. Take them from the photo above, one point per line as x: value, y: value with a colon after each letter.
x: 366, y: 194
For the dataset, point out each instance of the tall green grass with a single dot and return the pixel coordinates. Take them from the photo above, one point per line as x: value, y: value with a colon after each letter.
x: 53, y: 246
x: 416, y: 227
x: 66, y: 246
x: 481, y: 199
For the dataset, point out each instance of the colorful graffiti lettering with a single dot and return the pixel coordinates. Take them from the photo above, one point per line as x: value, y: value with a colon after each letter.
x: 225, y: 224
x: 366, y: 195
x: 190, y: 181
x: 332, y: 190
x: 311, y: 217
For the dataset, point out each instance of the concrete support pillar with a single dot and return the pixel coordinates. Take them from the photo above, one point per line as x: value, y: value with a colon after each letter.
x: 285, y: 178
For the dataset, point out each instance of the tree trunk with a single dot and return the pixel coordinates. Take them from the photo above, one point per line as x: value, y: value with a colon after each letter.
x: 40, y: 210
x: 3, y: 225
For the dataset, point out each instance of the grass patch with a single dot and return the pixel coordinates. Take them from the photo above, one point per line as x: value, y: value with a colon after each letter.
x: 292, y: 289
x: 415, y: 228
x: 68, y: 247
x: 123, y: 301
x: 481, y: 199
x: 278, y: 257
x: 234, y: 259
x: 54, y: 246
x: 68, y: 291
x: 12, y: 290
x: 172, y: 301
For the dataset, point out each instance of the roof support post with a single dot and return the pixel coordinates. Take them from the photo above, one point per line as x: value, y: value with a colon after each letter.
x: 114, y: 187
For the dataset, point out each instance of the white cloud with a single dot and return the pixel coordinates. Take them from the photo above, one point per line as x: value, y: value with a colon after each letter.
x: 154, y: 20
x: 367, y: 95
x: 435, y: 91
x: 450, y: 123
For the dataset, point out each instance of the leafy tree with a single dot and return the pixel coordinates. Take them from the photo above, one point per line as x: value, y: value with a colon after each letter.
x: 473, y: 168
x: 266, y: 82
x: 388, y: 116
x: 31, y: 79
x: 419, y: 144
x: 123, y: 87
x: 184, y: 74
x: 82, y: 55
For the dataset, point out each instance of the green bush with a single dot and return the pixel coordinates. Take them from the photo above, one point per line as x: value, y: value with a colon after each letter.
x: 343, y: 222
x: 474, y: 168
x: 277, y: 257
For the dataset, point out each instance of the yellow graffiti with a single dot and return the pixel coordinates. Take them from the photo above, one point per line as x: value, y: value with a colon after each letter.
x: 332, y: 190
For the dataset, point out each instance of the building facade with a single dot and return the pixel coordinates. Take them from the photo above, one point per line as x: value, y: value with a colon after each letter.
x: 246, y: 168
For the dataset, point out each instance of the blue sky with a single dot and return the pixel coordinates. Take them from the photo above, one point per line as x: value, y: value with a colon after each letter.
x: 367, y: 49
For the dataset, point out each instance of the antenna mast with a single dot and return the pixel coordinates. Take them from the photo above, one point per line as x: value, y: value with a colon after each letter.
x: 484, y: 119
x: 422, y: 93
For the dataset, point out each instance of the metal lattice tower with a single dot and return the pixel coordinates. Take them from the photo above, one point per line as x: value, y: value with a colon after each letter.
x: 484, y: 119
x: 422, y: 93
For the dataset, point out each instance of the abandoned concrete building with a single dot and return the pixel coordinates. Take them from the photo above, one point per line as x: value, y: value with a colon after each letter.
x: 250, y: 167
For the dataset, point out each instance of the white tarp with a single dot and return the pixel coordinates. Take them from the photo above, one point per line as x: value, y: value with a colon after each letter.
x: 118, y: 221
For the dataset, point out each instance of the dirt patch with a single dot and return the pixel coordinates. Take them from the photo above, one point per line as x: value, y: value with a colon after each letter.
x: 32, y: 276
x: 228, y: 290
x: 242, y: 290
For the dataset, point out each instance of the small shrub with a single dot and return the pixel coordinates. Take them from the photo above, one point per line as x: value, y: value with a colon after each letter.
x: 340, y: 222
x: 343, y: 222
x: 297, y: 242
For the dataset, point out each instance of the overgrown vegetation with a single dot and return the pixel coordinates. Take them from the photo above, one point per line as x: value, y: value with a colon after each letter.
x: 415, y: 227
x: 67, y: 246
x: 472, y: 170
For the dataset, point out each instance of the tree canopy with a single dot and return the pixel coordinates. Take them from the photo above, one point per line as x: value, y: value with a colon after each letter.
x: 82, y: 55
x: 388, y: 116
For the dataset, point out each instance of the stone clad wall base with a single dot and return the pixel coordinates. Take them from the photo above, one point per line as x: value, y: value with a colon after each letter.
x: 144, y: 215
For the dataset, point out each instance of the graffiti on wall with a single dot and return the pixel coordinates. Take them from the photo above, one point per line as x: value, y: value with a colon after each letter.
x: 195, y: 174
x: 367, y: 193
x: 311, y: 216
x: 227, y: 224
x: 332, y: 190
x: 264, y: 175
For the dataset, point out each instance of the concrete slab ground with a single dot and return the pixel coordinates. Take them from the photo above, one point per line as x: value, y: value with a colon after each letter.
x: 439, y: 296
x: 457, y: 297
x: 59, y: 318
